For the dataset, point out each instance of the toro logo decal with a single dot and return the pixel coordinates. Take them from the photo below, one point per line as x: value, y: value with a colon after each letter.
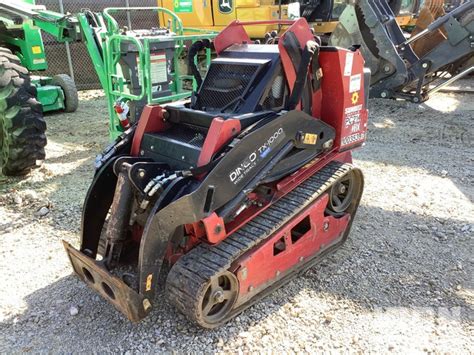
x: 355, y: 97
x: 226, y: 6
x: 254, y: 157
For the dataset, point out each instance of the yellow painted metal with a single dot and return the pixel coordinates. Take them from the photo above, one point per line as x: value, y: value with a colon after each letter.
x: 324, y: 27
x: 247, y: 3
x: 200, y: 17
x: 206, y: 15
x: 257, y: 13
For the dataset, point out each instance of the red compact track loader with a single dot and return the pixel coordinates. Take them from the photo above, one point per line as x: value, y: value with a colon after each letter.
x: 222, y: 198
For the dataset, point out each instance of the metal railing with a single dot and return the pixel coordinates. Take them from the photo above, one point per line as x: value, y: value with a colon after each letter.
x: 73, y: 58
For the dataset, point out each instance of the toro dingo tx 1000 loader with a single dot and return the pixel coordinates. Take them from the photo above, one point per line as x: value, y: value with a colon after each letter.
x: 223, y: 198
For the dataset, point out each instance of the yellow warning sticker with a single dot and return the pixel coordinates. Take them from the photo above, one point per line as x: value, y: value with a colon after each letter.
x: 148, y: 282
x: 310, y: 138
x: 36, y: 49
x: 355, y: 97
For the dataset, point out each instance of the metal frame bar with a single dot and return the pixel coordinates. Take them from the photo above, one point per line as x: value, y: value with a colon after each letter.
x: 111, y: 53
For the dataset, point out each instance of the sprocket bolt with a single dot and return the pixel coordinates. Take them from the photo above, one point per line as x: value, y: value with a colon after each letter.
x: 219, y: 296
x: 326, y: 226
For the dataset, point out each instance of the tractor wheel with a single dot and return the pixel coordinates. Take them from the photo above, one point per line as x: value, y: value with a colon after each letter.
x: 68, y: 86
x: 22, y: 127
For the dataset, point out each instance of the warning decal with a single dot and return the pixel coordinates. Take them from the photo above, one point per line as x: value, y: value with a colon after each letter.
x: 348, y: 65
x: 355, y: 82
x: 352, y: 117
x: 158, y: 70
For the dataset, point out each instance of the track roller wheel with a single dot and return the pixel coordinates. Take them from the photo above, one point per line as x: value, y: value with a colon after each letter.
x: 341, y: 195
x: 210, y: 302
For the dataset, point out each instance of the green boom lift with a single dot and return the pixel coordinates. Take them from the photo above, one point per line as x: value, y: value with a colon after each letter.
x: 23, y: 98
x: 135, y: 67
x: 19, y: 35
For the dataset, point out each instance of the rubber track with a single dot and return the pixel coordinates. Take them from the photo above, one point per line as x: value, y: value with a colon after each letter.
x: 188, y: 278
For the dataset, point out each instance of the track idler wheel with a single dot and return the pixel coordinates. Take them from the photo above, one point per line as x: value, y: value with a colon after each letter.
x: 219, y: 297
x: 341, y: 195
x: 209, y: 302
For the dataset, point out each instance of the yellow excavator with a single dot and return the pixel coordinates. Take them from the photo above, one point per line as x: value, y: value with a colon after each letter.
x: 323, y: 15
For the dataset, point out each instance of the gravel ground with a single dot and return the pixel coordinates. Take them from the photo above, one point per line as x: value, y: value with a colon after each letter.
x: 403, y: 282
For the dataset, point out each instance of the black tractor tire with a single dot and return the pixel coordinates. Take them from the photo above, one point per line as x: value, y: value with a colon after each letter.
x: 22, y: 126
x: 65, y: 82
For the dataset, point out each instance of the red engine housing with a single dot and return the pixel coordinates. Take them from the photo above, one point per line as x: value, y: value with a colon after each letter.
x: 343, y: 87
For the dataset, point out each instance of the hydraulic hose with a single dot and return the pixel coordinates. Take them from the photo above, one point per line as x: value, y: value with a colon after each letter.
x: 302, y: 74
x: 195, y: 48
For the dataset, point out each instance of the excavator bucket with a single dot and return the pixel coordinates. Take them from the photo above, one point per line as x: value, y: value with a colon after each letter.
x: 360, y: 25
x: 430, y: 11
x: 438, y: 53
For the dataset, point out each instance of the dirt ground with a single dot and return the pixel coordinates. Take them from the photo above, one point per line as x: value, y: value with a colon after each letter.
x: 403, y: 282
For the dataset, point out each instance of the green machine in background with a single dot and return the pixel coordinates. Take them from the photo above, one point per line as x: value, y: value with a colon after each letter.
x: 22, y: 37
x: 135, y: 67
